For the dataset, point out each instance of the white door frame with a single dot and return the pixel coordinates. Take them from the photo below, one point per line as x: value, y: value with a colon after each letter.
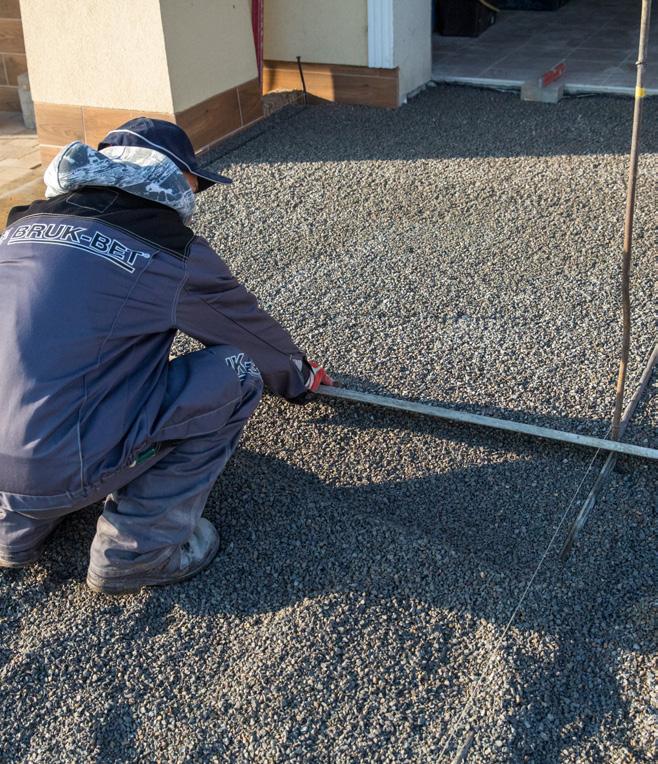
x: 380, y: 34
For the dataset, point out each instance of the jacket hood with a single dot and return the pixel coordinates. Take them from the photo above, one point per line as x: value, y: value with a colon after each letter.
x: 134, y: 169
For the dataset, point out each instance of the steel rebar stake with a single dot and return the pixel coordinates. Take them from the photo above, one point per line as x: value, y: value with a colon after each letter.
x: 628, y: 222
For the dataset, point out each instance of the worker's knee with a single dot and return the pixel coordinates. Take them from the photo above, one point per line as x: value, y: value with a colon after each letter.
x: 208, y: 379
x: 239, y: 363
x: 204, y: 388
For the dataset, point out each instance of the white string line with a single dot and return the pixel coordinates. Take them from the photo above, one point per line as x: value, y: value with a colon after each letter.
x: 484, y: 672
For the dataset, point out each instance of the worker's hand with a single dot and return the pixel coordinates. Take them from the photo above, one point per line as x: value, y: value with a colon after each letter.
x: 314, y: 376
x: 318, y: 376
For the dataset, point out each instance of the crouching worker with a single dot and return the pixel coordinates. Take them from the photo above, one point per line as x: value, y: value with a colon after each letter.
x: 95, y: 281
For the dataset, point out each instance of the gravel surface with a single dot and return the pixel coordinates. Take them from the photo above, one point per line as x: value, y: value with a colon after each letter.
x: 463, y: 249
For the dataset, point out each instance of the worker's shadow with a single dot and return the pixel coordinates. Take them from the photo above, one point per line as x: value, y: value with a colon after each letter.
x: 465, y: 540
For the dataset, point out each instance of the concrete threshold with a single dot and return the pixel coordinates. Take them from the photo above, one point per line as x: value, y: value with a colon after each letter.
x: 513, y: 83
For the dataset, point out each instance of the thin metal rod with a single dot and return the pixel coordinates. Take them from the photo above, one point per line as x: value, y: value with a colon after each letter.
x: 609, y: 465
x: 301, y: 74
x: 628, y: 222
x: 462, y: 753
x: 488, y: 421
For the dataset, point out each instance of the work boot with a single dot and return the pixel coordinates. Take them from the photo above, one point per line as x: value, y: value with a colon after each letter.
x: 22, y: 559
x: 186, y: 561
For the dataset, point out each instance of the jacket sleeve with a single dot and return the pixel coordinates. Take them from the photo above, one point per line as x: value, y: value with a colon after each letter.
x: 214, y: 308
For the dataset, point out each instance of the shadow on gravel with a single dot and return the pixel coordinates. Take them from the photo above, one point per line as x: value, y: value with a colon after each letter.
x: 439, y: 124
x: 465, y: 542
x: 115, y: 734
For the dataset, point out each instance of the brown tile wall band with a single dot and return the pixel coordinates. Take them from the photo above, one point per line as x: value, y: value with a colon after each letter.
x: 222, y: 115
x: 202, y: 150
x: 369, y: 91
x: 206, y: 123
x: 215, y: 116
x: 251, y: 102
x: 58, y: 124
x: 343, y: 84
x: 98, y: 122
x: 353, y: 71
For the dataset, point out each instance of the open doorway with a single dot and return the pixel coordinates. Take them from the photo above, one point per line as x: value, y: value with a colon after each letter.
x: 596, y: 39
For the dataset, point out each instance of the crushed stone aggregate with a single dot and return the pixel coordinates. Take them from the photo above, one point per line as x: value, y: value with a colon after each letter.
x: 464, y: 250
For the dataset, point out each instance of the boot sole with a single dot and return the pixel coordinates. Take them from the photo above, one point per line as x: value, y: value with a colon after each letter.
x: 22, y: 559
x: 13, y: 565
x: 102, y: 585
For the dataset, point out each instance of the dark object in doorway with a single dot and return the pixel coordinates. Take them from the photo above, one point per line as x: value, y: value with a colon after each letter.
x: 463, y: 18
x: 530, y: 5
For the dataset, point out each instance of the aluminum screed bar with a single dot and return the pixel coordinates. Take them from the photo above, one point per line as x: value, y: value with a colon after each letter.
x: 480, y: 420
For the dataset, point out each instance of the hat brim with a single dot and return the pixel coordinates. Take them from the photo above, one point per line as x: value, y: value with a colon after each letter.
x: 184, y: 158
x: 208, y: 178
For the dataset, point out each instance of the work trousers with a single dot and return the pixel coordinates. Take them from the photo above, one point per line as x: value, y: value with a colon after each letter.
x: 153, y: 505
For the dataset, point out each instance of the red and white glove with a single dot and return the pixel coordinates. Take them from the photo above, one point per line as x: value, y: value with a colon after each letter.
x: 317, y: 377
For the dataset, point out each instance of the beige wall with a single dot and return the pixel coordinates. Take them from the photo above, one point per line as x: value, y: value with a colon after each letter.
x: 320, y: 31
x: 108, y: 53
x: 209, y: 46
x: 154, y: 55
x: 412, y: 43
